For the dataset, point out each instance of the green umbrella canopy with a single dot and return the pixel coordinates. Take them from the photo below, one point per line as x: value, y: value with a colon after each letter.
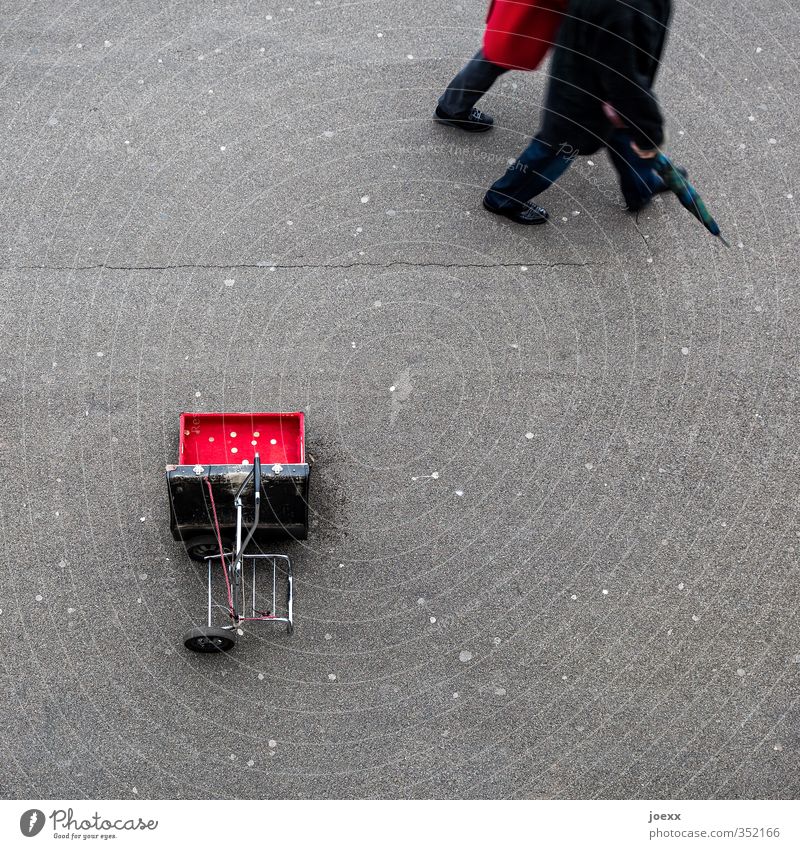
x: 686, y: 194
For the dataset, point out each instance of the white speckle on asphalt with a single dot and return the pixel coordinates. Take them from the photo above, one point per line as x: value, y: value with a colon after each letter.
x: 528, y: 435
x: 685, y: 352
x: 433, y: 620
x: 260, y: 676
x: 38, y: 598
x: 574, y: 597
x: 272, y: 744
x: 740, y: 672
x: 499, y: 691
x: 365, y: 199
x: 230, y: 281
x: 331, y: 677
x: 589, y: 466
x: 459, y: 492
x: 465, y: 656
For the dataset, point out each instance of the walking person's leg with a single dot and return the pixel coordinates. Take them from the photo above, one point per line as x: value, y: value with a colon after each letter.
x: 637, y: 179
x: 457, y: 105
x: 537, y: 168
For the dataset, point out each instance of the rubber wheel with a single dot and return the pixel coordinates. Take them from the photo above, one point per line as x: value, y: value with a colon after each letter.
x: 200, y: 547
x: 290, y: 628
x: 207, y: 640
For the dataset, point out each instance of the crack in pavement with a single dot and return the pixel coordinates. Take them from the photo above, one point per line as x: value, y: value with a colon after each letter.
x: 276, y: 266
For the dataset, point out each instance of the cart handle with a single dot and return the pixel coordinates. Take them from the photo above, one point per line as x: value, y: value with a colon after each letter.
x: 255, y: 473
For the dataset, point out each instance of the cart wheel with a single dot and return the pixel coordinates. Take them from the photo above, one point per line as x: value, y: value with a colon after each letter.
x: 200, y: 547
x: 209, y: 640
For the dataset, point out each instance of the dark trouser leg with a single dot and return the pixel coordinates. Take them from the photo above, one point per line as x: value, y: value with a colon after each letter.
x: 637, y: 179
x: 469, y: 85
x: 538, y: 167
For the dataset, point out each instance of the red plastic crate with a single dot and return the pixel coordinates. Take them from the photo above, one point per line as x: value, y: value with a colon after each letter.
x: 230, y: 438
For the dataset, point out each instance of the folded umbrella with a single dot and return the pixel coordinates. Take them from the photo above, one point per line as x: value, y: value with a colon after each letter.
x: 686, y: 194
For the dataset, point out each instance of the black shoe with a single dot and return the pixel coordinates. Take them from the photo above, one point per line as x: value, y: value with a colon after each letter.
x: 531, y: 214
x: 475, y: 122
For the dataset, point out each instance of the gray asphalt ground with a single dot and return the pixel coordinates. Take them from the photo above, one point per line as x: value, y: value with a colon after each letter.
x: 597, y: 593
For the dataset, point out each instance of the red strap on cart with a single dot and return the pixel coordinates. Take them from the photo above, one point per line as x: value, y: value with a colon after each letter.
x: 219, y: 542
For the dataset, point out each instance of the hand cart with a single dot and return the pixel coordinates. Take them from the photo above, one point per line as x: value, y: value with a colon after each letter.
x: 228, y: 462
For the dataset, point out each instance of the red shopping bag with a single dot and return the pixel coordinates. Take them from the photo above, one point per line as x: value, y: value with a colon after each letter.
x: 520, y: 33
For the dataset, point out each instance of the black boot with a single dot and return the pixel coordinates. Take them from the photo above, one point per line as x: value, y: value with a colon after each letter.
x: 529, y: 214
x: 475, y: 122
